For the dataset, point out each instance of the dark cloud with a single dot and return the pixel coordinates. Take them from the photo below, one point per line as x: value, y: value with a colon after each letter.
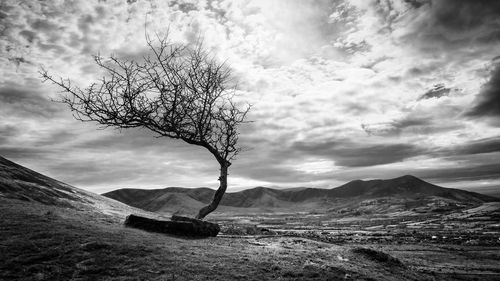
x: 423, y: 68
x: 462, y: 15
x: 437, y: 91
x: 19, y: 153
x: 26, y: 102
x: 395, y: 127
x: 464, y: 173
x: 487, y: 103
x: 7, y: 132
x: 417, y: 3
x: 271, y: 172
x: 352, y: 154
x: 458, y: 29
x: 415, y: 71
x: 85, y: 23
x: 28, y: 35
x: 58, y: 49
x: 488, y: 145
x: 410, y: 122
x: 44, y: 25
x: 356, y: 108
x: 482, y: 146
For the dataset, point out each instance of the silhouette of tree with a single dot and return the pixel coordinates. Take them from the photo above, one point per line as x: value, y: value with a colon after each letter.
x: 177, y: 91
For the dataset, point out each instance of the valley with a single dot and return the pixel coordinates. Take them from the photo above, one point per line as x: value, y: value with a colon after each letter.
x: 475, y: 226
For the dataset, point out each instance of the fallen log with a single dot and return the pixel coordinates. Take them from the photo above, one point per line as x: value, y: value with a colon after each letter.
x: 180, y: 226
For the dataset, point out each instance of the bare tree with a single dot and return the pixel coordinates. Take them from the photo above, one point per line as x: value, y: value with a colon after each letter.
x: 177, y: 91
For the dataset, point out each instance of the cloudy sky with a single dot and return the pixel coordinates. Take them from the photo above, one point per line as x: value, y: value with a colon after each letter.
x: 341, y: 90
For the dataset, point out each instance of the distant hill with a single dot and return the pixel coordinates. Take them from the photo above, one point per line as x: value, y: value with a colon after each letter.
x: 406, y: 187
x: 409, y: 191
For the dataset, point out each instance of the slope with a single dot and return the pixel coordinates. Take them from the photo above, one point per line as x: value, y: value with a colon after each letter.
x: 20, y: 183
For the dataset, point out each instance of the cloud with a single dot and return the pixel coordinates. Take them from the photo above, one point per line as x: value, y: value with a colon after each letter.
x: 487, y: 103
x: 8, y: 131
x: 437, y: 91
x: 272, y: 173
x: 487, y: 145
x: 448, y: 26
x: 355, y: 154
x: 395, y: 127
x: 482, y: 146
x: 417, y: 3
x: 22, y: 153
x: 471, y: 172
x: 23, y: 101
x: 469, y: 17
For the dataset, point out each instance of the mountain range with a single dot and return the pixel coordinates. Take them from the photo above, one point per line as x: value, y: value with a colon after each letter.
x: 406, y: 191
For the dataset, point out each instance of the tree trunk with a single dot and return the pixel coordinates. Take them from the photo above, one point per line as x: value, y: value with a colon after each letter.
x: 218, y: 194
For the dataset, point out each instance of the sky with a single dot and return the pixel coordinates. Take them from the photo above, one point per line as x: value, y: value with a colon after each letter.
x: 340, y: 90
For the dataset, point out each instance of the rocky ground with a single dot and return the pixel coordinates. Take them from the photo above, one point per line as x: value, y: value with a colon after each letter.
x: 40, y: 242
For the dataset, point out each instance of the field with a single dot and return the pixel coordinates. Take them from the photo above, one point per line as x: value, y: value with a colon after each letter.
x: 479, y: 226
x: 40, y: 242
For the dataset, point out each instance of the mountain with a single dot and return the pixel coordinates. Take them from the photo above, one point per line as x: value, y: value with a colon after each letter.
x: 406, y: 187
x: 407, y: 191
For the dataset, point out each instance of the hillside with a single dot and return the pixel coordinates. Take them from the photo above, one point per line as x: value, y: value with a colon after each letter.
x: 409, y: 191
x: 20, y: 183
